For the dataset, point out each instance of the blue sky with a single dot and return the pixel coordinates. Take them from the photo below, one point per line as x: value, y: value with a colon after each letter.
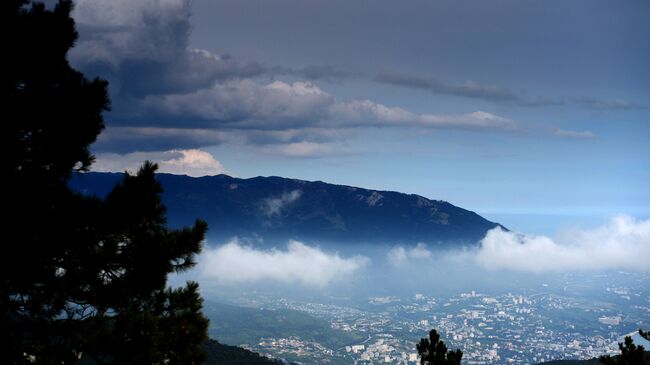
x: 533, y: 109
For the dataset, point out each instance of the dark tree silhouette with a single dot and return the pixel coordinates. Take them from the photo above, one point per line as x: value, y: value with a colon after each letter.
x: 631, y: 354
x: 645, y: 334
x: 83, y: 278
x: 432, y: 351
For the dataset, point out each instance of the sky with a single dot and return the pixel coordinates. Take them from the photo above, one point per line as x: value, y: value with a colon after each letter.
x: 532, y: 113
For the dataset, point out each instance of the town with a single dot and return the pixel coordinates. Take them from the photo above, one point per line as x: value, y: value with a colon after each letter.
x: 510, y: 328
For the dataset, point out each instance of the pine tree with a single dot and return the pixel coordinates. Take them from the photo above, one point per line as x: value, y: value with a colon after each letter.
x: 631, y: 354
x: 84, y: 278
x: 433, y: 351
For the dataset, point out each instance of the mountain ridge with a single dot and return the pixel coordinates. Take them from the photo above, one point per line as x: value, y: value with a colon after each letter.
x: 279, y: 208
x: 217, y: 353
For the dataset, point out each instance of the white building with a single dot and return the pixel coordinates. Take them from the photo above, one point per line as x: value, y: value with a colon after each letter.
x: 610, y: 321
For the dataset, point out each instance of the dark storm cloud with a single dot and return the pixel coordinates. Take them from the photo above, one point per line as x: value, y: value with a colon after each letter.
x: 128, y: 139
x: 143, y: 49
x: 167, y: 94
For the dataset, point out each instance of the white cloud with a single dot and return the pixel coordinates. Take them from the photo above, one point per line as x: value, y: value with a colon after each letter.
x: 193, y: 163
x: 367, y: 112
x: 624, y: 243
x: 248, y: 104
x: 616, y: 104
x: 400, y: 256
x: 273, y: 206
x: 234, y: 263
x: 475, y: 120
x: 183, y: 162
x: 573, y: 134
x: 294, y: 136
x: 306, y: 150
x: 280, y: 105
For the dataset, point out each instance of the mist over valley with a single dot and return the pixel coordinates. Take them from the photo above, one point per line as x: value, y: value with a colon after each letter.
x: 281, y: 283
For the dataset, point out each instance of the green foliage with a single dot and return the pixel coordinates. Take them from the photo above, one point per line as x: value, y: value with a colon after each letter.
x: 432, y: 351
x: 85, y: 279
x: 51, y: 112
x: 631, y: 354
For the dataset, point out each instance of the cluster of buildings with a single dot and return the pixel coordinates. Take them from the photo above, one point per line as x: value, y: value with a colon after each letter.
x: 518, y: 329
x: 489, y: 329
x: 294, y: 348
x: 384, y: 349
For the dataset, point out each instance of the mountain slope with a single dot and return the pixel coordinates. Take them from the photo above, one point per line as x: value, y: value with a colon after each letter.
x: 220, y: 354
x: 276, y: 208
x: 235, y: 325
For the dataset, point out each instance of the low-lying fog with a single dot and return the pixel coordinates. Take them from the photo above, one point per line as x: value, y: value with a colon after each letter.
x: 513, y: 298
x: 502, y: 262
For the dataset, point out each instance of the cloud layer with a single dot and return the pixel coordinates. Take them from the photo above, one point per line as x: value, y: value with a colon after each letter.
x: 475, y: 90
x: 623, y: 244
x: 234, y: 263
x: 247, y: 104
x: 168, y: 95
x: 128, y: 139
